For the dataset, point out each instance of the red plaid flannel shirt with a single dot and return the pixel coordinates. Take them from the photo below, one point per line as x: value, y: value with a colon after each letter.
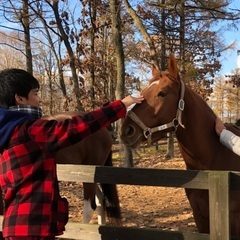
x: 33, y: 206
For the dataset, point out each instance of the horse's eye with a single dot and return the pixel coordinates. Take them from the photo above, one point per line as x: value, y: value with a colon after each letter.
x: 162, y: 94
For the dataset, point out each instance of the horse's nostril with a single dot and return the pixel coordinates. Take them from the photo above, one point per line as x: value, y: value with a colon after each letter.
x: 130, y: 131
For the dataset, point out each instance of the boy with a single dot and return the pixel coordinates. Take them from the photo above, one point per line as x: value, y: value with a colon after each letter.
x: 33, y: 207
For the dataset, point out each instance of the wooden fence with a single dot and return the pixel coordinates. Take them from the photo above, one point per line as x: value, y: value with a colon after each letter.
x: 217, y: 182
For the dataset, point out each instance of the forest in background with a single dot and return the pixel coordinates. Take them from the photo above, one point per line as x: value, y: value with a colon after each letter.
x: 88, y: 52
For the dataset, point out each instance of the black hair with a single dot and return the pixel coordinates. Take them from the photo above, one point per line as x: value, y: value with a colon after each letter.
x: 15, y: 81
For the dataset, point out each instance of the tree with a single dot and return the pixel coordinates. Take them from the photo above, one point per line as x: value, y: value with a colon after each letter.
x: 45, y: 60
x: 25, y: 20
x: 145, y: 34
x: 65, y: 38
x: 11, y: 57
x: 19, y: 15
x: 115, y: 7
x: 154, y: 58
x: 225, y: 100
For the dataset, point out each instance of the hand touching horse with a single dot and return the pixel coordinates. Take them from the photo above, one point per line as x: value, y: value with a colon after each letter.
x: 169, y: 105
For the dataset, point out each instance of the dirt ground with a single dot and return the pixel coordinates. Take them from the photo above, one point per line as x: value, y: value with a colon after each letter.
x: 151, y: 207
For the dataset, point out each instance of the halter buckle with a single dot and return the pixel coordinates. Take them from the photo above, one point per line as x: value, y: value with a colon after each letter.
x: 175, y: 123
x: 147, y: 132
x: 181, y: 104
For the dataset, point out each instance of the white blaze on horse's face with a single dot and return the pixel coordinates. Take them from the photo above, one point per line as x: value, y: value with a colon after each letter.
x: 152, y: 95
x: 149, y: 98
x: 162, y: 96
x: 153, y: 83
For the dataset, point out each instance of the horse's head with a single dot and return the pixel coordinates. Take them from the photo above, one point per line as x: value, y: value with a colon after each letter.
x: 160, y: 112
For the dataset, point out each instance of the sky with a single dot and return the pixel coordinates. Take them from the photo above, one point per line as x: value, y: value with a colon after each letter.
x: 231, y: 60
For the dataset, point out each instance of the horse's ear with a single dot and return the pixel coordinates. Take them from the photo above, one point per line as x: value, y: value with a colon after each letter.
x: 155, y: 70
x: 173, y: 67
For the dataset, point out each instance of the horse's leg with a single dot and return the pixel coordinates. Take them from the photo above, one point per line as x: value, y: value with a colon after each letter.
x: 89, y: 191
x: 111, y: 200
x: 198, y: 200
x: 100, y: 205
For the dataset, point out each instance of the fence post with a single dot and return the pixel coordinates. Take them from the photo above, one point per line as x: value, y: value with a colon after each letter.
x: 219, y: 205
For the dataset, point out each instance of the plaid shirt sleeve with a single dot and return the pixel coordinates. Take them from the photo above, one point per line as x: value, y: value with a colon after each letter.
x: 54, y: 135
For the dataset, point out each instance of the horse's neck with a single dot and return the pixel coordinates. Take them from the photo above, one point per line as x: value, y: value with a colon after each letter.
x: 199, y: 131
x: 197, y: 114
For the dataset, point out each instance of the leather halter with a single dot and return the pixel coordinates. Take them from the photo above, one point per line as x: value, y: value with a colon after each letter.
x: 147, y: 131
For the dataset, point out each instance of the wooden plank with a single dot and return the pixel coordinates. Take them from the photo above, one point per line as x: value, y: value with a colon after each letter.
x: 96, y: 232
x: 134, y: 176
x: 75, y: 173
x: 235, y: 180
x: 104, y: 232
x: 81, y: 231
x: 219, y: 205
x: 123, y: 233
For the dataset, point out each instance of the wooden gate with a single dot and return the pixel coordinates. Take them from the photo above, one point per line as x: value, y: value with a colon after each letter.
x: 217, y: 182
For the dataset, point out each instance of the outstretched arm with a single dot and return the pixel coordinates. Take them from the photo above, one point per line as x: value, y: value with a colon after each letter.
x: 55, y: 135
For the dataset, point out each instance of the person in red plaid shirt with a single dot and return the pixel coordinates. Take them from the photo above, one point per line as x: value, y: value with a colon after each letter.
x: 33, y: 207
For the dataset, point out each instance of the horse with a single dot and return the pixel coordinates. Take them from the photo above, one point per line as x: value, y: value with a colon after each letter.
x: 171, y: 106
x: 94, y: 150
x: 83, y: 153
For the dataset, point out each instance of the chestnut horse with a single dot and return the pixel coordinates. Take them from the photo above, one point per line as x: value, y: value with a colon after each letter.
x: 169, y: 105
x: 94, y: 150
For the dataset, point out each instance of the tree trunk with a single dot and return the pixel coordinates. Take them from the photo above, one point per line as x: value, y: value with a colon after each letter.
x: 27, y: 37
x: 128, y: 157
x: 64, y: 37
x: 182, y: 39
x: 163, y: 38
x: 170, y: 146
x: 93, y: 13
x: 142, y: 29
x: 119, y: 53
